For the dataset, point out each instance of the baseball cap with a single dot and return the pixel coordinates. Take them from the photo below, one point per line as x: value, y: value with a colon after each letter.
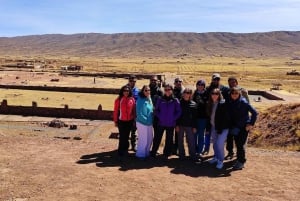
x: 178, y: 79
x: 216, y: 75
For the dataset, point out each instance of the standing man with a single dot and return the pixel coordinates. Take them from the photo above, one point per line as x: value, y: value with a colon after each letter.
x: 135, y: 94
x: 178, y: 91
x: 233, y: 83
x: 154, y: 89
x: 241, y: 123
x: 155, y: 93
x: 216, y: 83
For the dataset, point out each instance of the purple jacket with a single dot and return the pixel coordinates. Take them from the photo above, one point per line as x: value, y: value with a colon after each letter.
x: 167, y: 110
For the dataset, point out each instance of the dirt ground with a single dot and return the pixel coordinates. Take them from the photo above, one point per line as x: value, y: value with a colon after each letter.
x: 42, y: 163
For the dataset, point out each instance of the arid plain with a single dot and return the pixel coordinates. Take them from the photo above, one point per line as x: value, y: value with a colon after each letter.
x: 38, y: 162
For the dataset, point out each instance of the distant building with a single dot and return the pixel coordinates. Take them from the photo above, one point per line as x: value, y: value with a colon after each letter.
x: 71, y: 68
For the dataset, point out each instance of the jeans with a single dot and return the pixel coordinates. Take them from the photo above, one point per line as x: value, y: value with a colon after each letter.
x: 190, y: 138
x: 199, y: 136
x: 219, y: 142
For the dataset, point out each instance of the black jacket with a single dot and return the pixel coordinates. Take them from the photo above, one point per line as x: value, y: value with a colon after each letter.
x: 188, y: 114
x: 156, y: 93
x: 201, y: 100
x: 224, y: 90
x: 222, y: 117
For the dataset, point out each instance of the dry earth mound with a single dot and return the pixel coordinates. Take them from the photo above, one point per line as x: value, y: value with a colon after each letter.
x: 278, y: 127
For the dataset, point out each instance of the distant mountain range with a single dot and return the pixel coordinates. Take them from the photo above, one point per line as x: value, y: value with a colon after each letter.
x: 161, y: 44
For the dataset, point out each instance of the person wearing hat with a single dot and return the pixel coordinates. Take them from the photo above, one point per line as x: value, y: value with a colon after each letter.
x: 233, y: 82
x: 216, y: 83
x: 200, y: 96
x: 178, y: 91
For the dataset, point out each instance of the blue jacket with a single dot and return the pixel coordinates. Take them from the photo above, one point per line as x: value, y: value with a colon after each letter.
x: 135, y: 92
x: 239, y: 113
x: 167, y: 110
x: 144, y: 111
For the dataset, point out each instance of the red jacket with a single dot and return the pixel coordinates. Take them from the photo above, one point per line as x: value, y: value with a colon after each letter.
x: 124, y: 109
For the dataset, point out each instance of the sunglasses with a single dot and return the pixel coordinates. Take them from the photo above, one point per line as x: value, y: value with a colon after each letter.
x: 216, y: 79
x: 146, y: 90
x: 214, y: 93
x: 168, y: 89
x: 153, y: 80
x: 234, y: 93
x: 178, y: 81
x: 126, y: 90
x: 187, y: 92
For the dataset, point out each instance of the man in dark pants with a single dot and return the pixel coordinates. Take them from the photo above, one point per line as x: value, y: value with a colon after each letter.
x: 178, y: 91
x: 232, y: 82
x: 156, y: 93
x: 241, y: 123
x: 135, y: 92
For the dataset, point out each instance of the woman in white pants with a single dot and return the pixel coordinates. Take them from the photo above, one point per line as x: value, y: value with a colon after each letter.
x: 144, y: 121
x: 219, y: 125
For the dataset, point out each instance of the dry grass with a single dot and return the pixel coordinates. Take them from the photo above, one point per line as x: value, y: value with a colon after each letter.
x: 57, y: 99
x: 252, y: 73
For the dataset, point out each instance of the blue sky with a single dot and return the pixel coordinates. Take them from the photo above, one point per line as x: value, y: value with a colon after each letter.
x: 31, y: 17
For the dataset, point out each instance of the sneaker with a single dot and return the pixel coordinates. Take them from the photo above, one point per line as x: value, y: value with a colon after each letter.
x: 219, y: 165
x: 197, y: 160
x: 212, y: 161
x: 229, y: 156
x: 238, y: 166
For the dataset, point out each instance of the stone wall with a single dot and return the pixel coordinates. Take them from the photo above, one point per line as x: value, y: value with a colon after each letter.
x: 63, y: 89
x: 65, y: 112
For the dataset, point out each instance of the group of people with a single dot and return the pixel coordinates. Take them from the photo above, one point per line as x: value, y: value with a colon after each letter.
x: 215, y: 112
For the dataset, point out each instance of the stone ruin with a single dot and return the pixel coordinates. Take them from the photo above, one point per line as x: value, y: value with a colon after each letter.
x: 56, y: 123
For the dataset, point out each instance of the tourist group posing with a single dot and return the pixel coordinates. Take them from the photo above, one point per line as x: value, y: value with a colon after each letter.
x: 217, y: 113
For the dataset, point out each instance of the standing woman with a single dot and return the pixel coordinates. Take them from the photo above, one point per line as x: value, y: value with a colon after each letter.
x: 241, y: 123
x: 187, y: 124
x: 219, y: 125
x: 144, y: 121
x: 167, y: 110
x: 202, y: 138
x: 124, y: 114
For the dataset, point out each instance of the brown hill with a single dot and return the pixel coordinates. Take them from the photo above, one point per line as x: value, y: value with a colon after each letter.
x: 278, y: 127
x: 173, y: 44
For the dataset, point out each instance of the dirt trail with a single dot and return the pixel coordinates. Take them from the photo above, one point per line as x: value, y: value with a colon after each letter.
x: 34, y: 165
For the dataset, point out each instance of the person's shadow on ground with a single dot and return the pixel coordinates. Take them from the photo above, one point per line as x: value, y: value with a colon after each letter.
x: 186, y: 167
